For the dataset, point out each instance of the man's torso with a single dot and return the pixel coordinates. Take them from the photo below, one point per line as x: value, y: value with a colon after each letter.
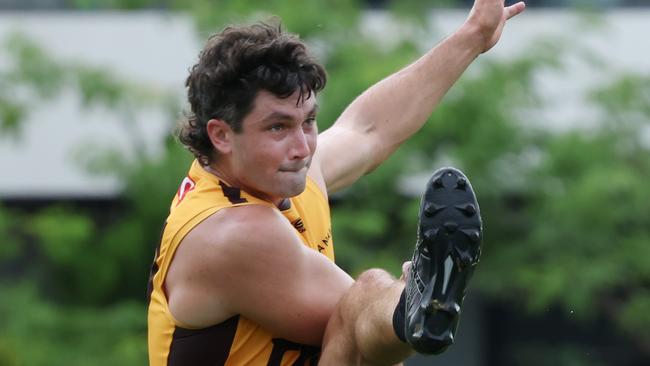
x: 237, y: 340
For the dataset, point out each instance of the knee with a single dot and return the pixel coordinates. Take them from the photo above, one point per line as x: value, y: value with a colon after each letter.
x: 374, y: 278
x: 368, y: 287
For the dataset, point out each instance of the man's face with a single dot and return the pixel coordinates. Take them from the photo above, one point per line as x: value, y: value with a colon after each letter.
x: 272, y: 153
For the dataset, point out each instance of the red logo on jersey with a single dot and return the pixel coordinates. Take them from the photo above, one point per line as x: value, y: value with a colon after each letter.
x: 186, y: 186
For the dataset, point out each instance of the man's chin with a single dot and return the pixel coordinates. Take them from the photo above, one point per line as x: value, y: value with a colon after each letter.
x: 294, y: 187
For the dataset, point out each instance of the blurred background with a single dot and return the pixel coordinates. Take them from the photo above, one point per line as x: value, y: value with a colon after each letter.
x: 552, y: 127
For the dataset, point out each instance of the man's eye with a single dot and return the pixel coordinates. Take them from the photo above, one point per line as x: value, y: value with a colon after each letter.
x: 310, y: 120
x: 276, y: 127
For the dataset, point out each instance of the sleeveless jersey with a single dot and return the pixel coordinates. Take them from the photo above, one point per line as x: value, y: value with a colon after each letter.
x: 238, y: 340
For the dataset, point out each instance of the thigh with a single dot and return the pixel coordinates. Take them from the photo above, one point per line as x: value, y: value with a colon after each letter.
x: 360, y: 330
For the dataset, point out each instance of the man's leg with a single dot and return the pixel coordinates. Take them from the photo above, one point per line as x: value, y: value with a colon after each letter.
x: 360, y: 332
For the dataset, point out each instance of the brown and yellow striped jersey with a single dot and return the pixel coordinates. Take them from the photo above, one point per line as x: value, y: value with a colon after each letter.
x: 236, y: 341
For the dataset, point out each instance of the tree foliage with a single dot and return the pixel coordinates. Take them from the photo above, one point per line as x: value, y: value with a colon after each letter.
x: 565, y: 212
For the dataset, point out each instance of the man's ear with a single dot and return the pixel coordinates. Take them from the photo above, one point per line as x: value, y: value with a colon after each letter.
x: 220, y: 134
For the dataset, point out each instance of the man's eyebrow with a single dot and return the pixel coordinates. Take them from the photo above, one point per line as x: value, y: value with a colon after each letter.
x: 280, y: 116
x: 314, y: 110
x: 275, y: 116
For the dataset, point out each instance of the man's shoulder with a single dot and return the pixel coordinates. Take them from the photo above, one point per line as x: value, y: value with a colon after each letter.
x: 234, y: 239
x: 242, y: 228
x: 211, y: 258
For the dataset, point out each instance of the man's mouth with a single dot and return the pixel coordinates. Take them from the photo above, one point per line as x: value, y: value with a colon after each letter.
x: 294, y: 168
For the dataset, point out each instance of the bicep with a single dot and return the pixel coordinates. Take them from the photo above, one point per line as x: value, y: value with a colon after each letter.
x: 284, y: 286
x: 293, y: 297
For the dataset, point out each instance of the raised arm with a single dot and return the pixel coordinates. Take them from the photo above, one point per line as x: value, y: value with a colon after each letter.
x: 389, y: 112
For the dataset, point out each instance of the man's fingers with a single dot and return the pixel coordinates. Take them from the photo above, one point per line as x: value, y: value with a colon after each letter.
x: 515, y: 9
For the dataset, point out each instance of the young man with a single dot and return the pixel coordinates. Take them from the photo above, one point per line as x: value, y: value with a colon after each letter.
x: 245, y: 272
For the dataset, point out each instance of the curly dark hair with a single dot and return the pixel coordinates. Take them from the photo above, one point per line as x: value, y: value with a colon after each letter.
x: 233, y: 67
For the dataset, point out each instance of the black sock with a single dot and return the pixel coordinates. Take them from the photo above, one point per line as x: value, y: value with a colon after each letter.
x: 398, y: 317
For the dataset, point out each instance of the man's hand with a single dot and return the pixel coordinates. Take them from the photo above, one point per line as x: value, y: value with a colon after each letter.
x: 488, y: 17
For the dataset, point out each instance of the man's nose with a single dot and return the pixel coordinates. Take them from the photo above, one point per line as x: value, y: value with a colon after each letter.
x: 300, y: 145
